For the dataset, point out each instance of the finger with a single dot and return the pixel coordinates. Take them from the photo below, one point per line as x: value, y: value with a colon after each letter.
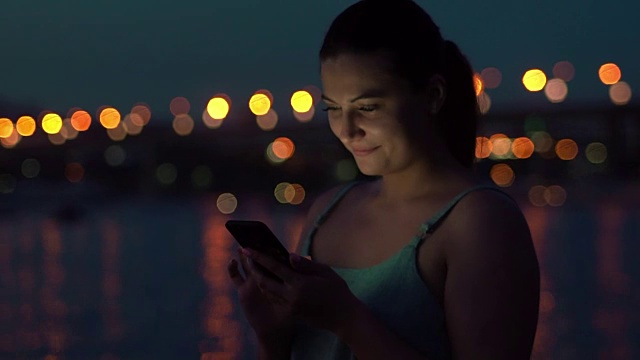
x: 305, y: 265
x: 245, y: 264
x: 234, y: 273
x: 269, y: 263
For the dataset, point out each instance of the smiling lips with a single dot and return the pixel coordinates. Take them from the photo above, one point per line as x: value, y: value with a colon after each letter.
x: 363, y: 152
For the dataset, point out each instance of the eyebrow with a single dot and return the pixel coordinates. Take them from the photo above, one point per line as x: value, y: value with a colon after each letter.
x: 369, y: 94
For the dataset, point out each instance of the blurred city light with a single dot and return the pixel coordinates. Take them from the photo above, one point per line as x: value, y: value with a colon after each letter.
x: 596, y: 153
x: 556, y: 90
x: 131, y: 123
x: 11, y: 141
x: 478, y: 84
x: 68, y: 131
x: 501, y: 145
x: 227, y: 203
x: 179, y: 106
x: 491, y: 77
x: 268, y: 121
x: 117, y: 133
x: 56, y: 139
x: 183, y: 124
x: 566, y: 149
x: 306, y: 116
x: 484, y: 102
x: 609, y: 73
x: 536, y: 195
x: 260, y: 102
x: 484, y: 147
x: 294, y: 194
x: 109, y: 118
x: 210, y: 122
x: 278, y: 192
x: 534, y: 80
x: 166, y: 173
x: 301, y: 101
x: 218, y: 107
x: 620, y: 93
x: 51, y: 123
x: 564, y: 70
x: 522, y: 148
x: 502, y: 175
x: 140, y: 114
x: 6, y: 128
x: 115, y: 155
x: 26, y: 125
x: 81, y: 120
x: 555, y: 195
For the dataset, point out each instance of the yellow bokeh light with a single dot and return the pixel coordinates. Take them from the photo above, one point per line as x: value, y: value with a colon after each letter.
x: 51, y: 123
x: 279, y: 192
x: 218, y: 108
x: 259, y: 104
x: 81, y: 120
x: 484, y: 147
x: 609, y: 73
x: 534, y: 80
x: 566, y: 149
x: 556, y: 90
x: 522, y: 147
x: 620, y: 93
x: 109, y: 118
x: 26, y: 125
x: 227, y: 203
x: 478, y: 84
x: 6, y: 128
x: 502, y: 175
x: 301, y: 101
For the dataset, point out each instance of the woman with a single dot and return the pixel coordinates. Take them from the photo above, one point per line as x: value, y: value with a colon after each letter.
x: 384, y: 283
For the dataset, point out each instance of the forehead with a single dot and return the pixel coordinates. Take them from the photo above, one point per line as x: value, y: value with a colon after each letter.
x: 349, y: 74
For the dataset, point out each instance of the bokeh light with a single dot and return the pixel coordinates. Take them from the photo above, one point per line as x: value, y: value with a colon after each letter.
x: 179, y: 106
x: 609, y: 73
x: 30, y: 168
x: 227, y: 203
x: 484, y: 102
x: 555, y: 195
x: 81, y: 120
x: 115, y: 155
x: 491, y: 77
x: 542, y: 141
x: 478, y: 84
x: 566, y: 149
x: 283, y: 148
x: 140, y: 114
x: 166, y: 174
x: 6, y: 127
x: 12, y: 141
x: 210, y: 122
x: 501, y: 145
x: 74, y: 172
x: 301, y: 101
x: 109, y: 118
x: 278, y: 192
x: 564, y: 70
x: 596, y: 153
x: 346, y: 170
x: 183, y: 124
x: 304, y: 117
x: 56, y: 139
x: 294, y: 194
x: 218, y: 107
x: 620, y: 93
x: 556, y: 90
x: 132, y: 124
x: 268, y: 121
x: 202, y: 177
x: 522, y: 147
x: 536, y: 195
x: 484, y: 147
x: 51, y: 123
x: 271, y: 156
x: 534, y: 80
x: 26, y: 125
x: 118, y: 133
x: 260, y: 103
x: 68, y: 131
x: 502, y: 175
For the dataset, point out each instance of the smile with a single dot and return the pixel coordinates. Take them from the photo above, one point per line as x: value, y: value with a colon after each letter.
x: 363, y: 152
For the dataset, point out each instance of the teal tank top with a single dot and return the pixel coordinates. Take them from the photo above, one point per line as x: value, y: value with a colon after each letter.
x: 393, y: 290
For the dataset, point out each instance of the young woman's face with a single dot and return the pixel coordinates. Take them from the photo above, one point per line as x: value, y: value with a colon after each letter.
x: 375, y: 114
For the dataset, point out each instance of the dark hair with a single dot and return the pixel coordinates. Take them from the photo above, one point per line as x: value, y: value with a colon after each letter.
x: 404, y: 32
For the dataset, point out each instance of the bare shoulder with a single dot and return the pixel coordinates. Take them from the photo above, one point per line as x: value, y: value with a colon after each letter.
x: 320, y: 203
x: 492, y: 286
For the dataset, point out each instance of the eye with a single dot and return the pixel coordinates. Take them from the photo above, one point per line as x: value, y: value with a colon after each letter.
x: 331, y: 108
x: 368, y: 108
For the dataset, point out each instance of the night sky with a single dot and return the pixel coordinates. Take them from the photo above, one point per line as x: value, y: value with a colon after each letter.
x: 61, y: 54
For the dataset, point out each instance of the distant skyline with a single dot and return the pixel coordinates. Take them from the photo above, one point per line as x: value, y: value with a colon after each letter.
x: 62, y: 54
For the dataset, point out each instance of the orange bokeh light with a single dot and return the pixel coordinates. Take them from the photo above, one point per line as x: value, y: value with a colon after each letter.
x: 478, y: 84
x: 26, y: 125
x: 6, y: 128
x: 283, y: 148
x: 522, y: 147
x: 81, y: 120
x: 609, y: 73
x: 567, y: 149
x: 140, y: 114
x: 502, y: 175
x: 483, y: 147
x: 109, y: 118
x: 179, y: 106
x: 501, y: 144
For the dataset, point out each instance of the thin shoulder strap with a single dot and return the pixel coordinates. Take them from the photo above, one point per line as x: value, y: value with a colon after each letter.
x: 432, y: 224
x: 325, y: 213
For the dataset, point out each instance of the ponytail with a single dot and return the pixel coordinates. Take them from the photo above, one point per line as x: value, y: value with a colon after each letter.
x: 458, y: 117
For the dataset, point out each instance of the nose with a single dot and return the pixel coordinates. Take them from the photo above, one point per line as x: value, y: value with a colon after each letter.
x: 350, y: 128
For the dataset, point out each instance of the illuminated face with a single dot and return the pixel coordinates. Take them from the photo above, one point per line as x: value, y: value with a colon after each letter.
x: 374, y: 113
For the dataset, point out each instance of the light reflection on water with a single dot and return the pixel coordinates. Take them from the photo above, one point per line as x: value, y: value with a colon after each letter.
x: 147, y: 280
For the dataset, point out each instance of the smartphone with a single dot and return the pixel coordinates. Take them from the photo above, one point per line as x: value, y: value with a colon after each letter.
x: 257, y: 236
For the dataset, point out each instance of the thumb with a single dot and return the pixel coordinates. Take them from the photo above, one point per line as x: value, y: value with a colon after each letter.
x: 304, y: 264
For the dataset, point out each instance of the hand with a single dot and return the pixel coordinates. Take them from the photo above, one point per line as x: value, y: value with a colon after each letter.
x: 267, y: 317
x: 311, y: 291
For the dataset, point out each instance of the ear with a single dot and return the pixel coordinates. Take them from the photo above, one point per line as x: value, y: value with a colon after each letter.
x: 436, y: 93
